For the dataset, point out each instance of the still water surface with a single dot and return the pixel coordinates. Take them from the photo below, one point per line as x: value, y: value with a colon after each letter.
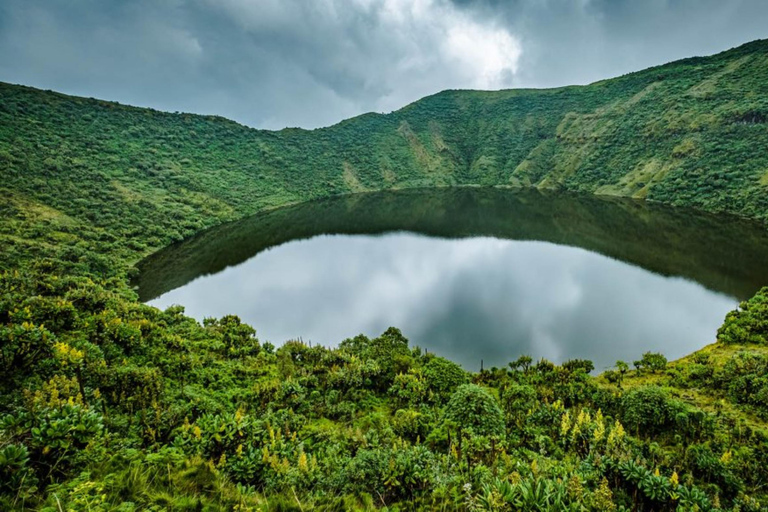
x: 472, y: 274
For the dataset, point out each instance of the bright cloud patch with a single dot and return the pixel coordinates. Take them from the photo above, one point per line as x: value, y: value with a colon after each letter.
x: 393, y: 51
x: 488, y: 56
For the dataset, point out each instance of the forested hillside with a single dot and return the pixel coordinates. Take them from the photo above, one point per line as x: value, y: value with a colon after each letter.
x: 689, y: 133
x: 106, y: 403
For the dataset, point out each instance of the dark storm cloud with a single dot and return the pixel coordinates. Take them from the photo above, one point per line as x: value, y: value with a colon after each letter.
x: 275, y: 63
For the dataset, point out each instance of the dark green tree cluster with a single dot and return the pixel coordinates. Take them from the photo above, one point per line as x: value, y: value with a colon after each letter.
x: 749, y: 323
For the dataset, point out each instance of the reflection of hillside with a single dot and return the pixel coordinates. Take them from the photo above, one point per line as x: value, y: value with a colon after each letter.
x: 720, y: 252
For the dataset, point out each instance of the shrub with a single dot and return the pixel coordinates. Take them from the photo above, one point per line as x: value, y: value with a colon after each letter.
x: 408, y: 389
x: 15, y: 473
x: 649, y: 409
x: 239, y: 339
x: 518, y: 399
x: 710, y: 466
x: 575, y: 365
x: 651, y: 361
x: 745, y: 377
x: 748, y: 323
x: 472, y: 407
x: 23, y: 346
x: 410, y: 424
x: 444, y: 376
x: 394, y: 474
x: 390, y: 351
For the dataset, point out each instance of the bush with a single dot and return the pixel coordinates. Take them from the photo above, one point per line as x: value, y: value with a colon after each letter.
x: 745, y: 377
x: 410, y: 424
x: 651, y: 361
x: 394, y: 474
x: 649, y: 410
x: 472, y: 407
x: 443, y: 376
x: 748, y: 323
x: 239, y: 339
x: 390, y: 351
x: 22, y: 346
x: 575, y: 365
x: 15, y: 473
x: 518, y: 399
x: 408, y: 389
x: 710, y: 466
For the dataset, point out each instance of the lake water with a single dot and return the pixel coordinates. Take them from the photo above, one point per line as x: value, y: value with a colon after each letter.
x: 472, y: 274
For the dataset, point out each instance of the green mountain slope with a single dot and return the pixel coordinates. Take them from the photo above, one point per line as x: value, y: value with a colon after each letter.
x: 109, y: 404
x: 688, y: 133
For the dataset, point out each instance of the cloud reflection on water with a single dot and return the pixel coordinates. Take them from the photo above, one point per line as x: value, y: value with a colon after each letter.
x: 465, y: 299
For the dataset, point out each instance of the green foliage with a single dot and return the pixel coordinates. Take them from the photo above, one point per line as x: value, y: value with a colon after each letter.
x: 529, y: 494
x: 408, y: 389
x: 652, y: 361
x: 521, y: 363
x: 649, y: 409
x: 749, y: 323
x: 390, y: 352
x: 579, y: 365
x: 473, y: 408
x: 399, y: 474
x: 108, y: 404
x: 411, y: 424
x: 16, y: 477
x: 745, y: 378
x: 519, y: 399
x: 22, y: 347
x: 712, y: 468
x: 239, y: 339
x: 443, y: 376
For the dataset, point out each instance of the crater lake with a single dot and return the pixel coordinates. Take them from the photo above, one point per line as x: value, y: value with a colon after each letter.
x: 472, y: 274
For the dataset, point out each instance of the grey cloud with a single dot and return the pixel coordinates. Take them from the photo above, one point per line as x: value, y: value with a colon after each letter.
x: 276, y: 63
x: 269, y: 63
x: 578, y: 42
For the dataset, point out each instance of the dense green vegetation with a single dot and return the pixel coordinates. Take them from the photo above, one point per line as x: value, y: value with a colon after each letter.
x: 107, y: 403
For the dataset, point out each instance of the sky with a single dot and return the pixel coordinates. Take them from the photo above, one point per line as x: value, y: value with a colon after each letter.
x: 311, y: 63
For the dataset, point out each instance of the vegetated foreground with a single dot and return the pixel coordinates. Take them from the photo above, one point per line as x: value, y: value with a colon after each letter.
x: 110, y: 404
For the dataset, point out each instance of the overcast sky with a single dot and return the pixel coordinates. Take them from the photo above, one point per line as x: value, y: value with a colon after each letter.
x: 310, y: 63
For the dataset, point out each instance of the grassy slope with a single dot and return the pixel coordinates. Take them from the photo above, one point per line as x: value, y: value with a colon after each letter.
x: 702, y: 398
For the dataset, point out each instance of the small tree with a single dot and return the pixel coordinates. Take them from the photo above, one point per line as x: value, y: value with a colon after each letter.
x: 239, y: 339
x: 443, y: 376
x: 472, y: 407
x: 390, y: 351
x: 621, y: 370
x: 522, y: 362
x: 575, y: 365
x: 653, y: 361
x: 649, y: 409
x: 518, y: 400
